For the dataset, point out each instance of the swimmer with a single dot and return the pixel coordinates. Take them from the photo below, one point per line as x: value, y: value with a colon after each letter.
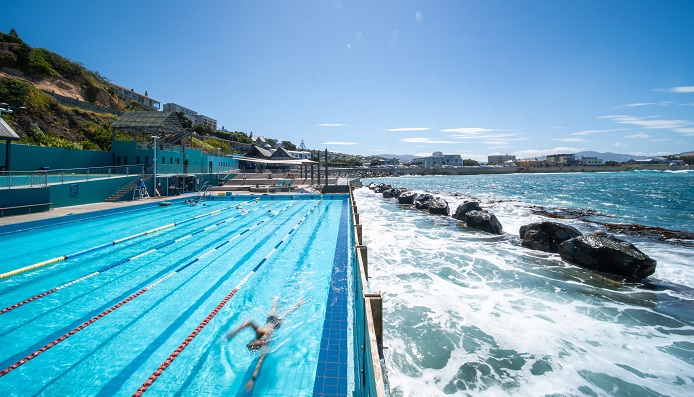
x: 263, y: 336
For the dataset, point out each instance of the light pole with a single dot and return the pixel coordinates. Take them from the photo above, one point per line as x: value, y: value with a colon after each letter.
x: 219, y: 164
x: 154, y: 168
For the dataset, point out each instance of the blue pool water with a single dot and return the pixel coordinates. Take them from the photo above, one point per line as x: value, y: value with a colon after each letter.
x: 159, y: 288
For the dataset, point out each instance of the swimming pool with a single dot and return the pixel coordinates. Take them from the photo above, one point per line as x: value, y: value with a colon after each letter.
x: 140, y: 301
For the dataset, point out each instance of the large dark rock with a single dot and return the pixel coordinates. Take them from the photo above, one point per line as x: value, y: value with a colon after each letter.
x: 607, y: 254
x: 372, y: 185
x: 407, y: 198
x: 546, y: 236
x: 439, y: 206
x: 484, y: 221
x: 465, y: 208
x: 380, y: 188
x: 422, y: 201
x: 390, y: 193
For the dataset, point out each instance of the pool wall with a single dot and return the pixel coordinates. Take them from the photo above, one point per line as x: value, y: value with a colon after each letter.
x: 370, y: 373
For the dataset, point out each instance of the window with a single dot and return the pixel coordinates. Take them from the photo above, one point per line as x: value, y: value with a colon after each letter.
x: 118, y: 160
x: 125, y: 160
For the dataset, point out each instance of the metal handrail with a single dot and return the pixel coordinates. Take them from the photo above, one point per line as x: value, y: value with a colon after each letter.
x: 10, y: 179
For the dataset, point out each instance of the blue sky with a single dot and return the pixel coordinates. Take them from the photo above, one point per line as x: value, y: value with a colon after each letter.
x: 474, y: 78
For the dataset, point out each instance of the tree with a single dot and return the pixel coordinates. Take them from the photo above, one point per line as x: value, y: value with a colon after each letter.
x: 288, y: 145
x: 271, y: 142
x: 470, y: 163
x: 611, y: 163
x: 185, y: 121
x: 14, y: 33
x: 202, y: 129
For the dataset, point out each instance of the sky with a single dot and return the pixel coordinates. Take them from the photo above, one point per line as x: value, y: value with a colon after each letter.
x: 374, y: 77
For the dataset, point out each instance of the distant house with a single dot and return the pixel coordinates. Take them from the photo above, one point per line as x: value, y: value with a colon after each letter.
x: 500, y: 158
x: 391, y: 162
x: 564, y: 159
x: 652, y: 160
x: 589, y: 161
x: 130, y: 95
x: 192, y: 115
x: 438, y: 159
x: 299, y: 154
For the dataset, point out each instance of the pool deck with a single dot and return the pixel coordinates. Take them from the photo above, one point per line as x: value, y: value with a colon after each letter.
x: 85, y: 208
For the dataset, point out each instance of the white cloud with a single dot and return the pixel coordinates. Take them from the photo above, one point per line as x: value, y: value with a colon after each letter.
x: 468, y: 130
x: 685, y: 131
x: 632, y: 105
x: 639, y: 135
x: 588, y: 132
x: 648, y: 122
x: 406, y: 129
x: 379, y: 150
x: 338, y: 143
x: 684, y: 89
x: 572, y: 140
x: 331, y: 125
x: 425, y: 140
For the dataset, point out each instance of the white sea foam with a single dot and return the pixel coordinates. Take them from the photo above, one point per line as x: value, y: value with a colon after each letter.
x: 472, y: 313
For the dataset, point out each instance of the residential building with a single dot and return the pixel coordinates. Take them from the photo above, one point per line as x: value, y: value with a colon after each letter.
x: 438, y: 159
x: 566, y: 160
x: 500, y: 158
x: 589, y: 161
x: 189, y: 113
x: 204, y: 120
x: 130, y: 95
x: 299, y: 154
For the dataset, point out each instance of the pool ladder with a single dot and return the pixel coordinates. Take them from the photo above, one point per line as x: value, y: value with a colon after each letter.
x: 202, y: 194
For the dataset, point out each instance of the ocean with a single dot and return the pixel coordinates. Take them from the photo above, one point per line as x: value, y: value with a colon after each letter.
x: 470, y: 313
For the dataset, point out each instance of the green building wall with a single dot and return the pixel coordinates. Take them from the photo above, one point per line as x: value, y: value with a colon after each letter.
x: 31, y: 158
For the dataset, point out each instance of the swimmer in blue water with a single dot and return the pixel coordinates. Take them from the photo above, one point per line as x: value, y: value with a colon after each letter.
x: 263, y: 336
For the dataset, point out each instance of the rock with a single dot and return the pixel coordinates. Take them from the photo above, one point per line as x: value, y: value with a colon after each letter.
x: 483, y: 220
x: 546, y: 236
x: 439, y: 206
x: 607, y: 254
x: 422, y: 201
x: 465, y: 208
x: 388, y: 193
x: 407, y: 198
x: 380, y: 188
x: 372, y: 186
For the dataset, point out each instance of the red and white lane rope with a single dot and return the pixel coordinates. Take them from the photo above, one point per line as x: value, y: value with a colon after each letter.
x: 156, y: 374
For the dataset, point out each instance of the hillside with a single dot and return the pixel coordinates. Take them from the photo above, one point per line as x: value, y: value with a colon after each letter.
x: 27, y: 73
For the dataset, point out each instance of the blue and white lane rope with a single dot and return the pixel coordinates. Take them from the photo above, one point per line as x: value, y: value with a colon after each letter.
x: 150, y: 381
x: 102, y: 246
x: 133, y: 296
x: 123, y: 261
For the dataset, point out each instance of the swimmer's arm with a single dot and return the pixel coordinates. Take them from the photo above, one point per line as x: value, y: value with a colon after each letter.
x: 248, y: 323
x: 251, y: 382
x: 301, y: 302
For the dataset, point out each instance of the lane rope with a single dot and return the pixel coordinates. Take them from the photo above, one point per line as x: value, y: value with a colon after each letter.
x: 130, y: 298
x: 124, y: 261
x: 156, y: 374
x: 102, y: 246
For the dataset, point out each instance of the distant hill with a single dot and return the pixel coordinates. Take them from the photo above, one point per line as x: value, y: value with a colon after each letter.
x: 404, y: 158
x: 620, y: 158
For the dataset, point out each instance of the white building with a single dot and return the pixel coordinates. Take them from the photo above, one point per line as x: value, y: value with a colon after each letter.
x: 299, y: 154
x: 192, y: 115
x: 500, y: 158
x: 589, y: 161
x: 130, y: 95
x: 438, y: 159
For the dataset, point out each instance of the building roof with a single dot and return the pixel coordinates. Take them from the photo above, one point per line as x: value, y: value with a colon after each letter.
x: 159, y: 122
x: 6, y: 132
x: 258, y: 152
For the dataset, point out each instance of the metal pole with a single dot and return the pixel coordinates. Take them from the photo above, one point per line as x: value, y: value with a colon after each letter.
x: 319, y: 168
x: 154, y: 167
x: 326, y: 166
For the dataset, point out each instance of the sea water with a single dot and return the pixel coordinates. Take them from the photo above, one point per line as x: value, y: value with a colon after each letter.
x: 470, y: 313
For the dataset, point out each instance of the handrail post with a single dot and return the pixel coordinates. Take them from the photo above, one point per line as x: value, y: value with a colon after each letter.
x: 361, y: 251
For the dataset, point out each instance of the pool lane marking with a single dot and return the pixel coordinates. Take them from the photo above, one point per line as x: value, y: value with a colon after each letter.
x: 124, y: 261
x: 156, y: 374
x: 133, y: 296
x: 92, y: 249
